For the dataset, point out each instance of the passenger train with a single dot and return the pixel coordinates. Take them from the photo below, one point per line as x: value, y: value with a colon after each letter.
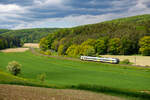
x: 100, y: 59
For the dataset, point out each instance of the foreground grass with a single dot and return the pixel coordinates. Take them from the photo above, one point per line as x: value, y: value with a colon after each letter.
x: 70, y: 72
x: 106, y: 78
x: 6, y: 78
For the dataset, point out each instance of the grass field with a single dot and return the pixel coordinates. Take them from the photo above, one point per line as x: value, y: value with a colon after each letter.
x: 70, y: 72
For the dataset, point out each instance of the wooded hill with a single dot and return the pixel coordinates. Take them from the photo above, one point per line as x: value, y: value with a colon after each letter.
x: 7, y: 42
x: 121, y: 35
x: 3, y: 30
x: 28, y: 35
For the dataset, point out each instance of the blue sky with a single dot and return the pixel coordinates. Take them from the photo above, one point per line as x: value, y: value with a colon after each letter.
x: 19, y: 14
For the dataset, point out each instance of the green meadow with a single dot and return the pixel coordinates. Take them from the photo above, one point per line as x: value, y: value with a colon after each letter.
x: 72, y: 72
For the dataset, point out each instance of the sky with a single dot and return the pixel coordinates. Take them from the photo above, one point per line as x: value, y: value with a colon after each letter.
x: 21, y: 14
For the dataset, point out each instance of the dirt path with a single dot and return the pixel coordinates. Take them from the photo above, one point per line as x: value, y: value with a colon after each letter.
x: 137, y: 60
x: 13, y: 92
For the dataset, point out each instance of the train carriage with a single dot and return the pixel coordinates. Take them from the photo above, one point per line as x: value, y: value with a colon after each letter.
x: 100, y: 59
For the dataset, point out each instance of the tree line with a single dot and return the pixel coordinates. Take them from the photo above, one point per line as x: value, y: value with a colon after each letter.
x: 28, y: 35
x: 117, y: 37
x: 7, y: 42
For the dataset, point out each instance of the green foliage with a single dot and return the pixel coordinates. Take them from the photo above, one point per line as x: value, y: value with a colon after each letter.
x: 61, y: 50
x: 87, y: 50
x: 145, y: 45
x: 44, y: 44
x: 7, y: 42
x: 126, y: 61
x: 4, y: 31
x: 55, y: 45
x: 126, y: 46
x: 90, y: 42
x: 42, y: 77
x: 47, y: 52
x: 73, y: 50
x: 14, y: 67
x: 29, y: 35
x: 128, y: 30
x: 101, y: 46
x: 114, y: 46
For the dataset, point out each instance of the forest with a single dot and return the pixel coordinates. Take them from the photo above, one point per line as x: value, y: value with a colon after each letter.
x: 7, y: 42
x: 28, y: 35
x: 125, y: 36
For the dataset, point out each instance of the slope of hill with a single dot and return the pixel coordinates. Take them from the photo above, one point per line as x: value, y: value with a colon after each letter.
x: 4, y: 30
x: 14, y: 92
x: 72, y: 74
x: 29, y: 35
x: 128, y: 30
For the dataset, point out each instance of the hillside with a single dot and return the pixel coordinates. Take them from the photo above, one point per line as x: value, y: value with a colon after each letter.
x: 14, y: 92
x: 4, y: 30
x: 62, y: 73
x: 29, y: 35
x: 127, y: 30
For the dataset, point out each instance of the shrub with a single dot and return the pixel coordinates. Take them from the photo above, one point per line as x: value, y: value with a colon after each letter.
x: 90, y: 42
x: 14, y: 67
x: 42, y: 77
x: 61, y: 50
x: 114, y: 46
x: 73, y: 50
x: 126, y: 61
x: 55, y: 45
x: 145, y: 46
x: 101, y: 45
x: 145, y: 51
x: 87, y: 50
x: 48, y: 52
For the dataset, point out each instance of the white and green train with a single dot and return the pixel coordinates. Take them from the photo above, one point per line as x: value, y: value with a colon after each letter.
x: 100, y: 59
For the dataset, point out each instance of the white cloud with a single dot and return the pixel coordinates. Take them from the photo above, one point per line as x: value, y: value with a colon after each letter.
x: 12, y: 12
x: 48, y: 2
x: 9, y: 8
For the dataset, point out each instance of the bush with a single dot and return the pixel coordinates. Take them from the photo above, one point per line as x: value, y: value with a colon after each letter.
x: 42, y: 77
x: 48, y: 52
x: 145, y: 46
x: 145, y: 51
x: 73, y: 50
x: 14, y: 67
x: 101, y: 46
x: 114, y: 46
x: 61, y: 50
x: 87, y: 50
x: 126, y: 61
